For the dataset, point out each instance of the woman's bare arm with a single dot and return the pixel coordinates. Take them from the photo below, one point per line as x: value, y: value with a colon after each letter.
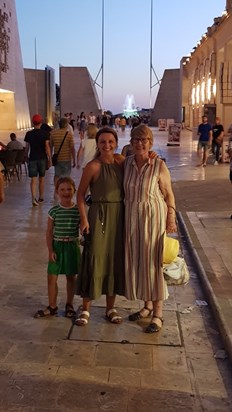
x: 166, y: 189
x: 90, y: 173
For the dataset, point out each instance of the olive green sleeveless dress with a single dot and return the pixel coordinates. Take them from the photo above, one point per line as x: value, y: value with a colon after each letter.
x: 102, y: 266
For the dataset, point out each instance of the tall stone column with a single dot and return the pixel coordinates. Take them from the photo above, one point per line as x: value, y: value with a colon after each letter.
x: 229, y: 6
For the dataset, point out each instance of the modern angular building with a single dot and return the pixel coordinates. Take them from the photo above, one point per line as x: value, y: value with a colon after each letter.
x: 77, y: 91
x: 14, y: 110
x: 168, y: 101
x: 41, y: 93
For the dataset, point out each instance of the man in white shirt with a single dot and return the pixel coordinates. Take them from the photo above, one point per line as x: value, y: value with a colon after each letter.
x: 91, y: 118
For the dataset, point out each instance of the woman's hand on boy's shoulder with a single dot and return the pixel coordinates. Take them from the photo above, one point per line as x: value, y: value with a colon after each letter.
x: 152, y: 154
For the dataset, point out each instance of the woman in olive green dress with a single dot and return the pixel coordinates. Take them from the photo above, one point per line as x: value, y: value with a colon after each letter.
x: 102, y: 269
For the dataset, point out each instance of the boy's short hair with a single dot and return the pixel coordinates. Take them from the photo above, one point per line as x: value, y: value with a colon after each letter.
x: 65, y: 179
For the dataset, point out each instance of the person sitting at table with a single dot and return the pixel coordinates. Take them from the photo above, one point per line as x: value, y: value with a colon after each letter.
x: 2, y: 194
x: 14, y: 144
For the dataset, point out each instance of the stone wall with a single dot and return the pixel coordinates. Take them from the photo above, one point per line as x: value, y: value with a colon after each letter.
x: 14, y: 113
x: 77, y: 91
x: 167, y: 105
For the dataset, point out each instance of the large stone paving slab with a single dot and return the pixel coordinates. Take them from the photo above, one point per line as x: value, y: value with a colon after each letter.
x: 99, y: 329
x: 160, y: 401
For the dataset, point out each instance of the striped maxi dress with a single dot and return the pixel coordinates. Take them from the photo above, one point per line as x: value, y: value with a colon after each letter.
x: 145, y: 223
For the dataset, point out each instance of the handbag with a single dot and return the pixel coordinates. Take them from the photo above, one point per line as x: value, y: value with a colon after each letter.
x: 176, y: 272
x: 54, y: 159
x: 171, y: 249
x: 55, y: 155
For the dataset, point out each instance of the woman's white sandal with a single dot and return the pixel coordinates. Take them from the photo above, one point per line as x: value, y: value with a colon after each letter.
x: 83, y: 318
x: 113, y: 317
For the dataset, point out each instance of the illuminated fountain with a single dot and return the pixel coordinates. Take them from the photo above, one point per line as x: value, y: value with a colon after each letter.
x: 129, y: 106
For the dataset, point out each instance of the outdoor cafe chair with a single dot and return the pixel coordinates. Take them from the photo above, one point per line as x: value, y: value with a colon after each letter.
x: 20, y: 160
x: 8, y: 161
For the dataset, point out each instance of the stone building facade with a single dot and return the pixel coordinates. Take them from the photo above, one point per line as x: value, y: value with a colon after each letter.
x: 206, y: 74
x: 14, y: 110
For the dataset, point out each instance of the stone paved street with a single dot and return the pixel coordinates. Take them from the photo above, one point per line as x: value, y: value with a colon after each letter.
x: 52, y: 365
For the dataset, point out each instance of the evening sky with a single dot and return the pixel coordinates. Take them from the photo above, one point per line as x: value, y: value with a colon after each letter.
x: 70, y: 34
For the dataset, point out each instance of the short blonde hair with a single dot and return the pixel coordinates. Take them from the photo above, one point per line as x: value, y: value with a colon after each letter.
x: 92, y: 131
x: 142, y: 131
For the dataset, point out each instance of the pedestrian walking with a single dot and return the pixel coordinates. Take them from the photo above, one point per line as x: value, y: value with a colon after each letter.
x: 38, y: 155
x: 117, y: 123
x: 104, y: 119
x: 82, y: 125
x: 218, y: 132
x: 87, y: 149
x: 205, y: 140
x: 62, y: 143
x: 91, y: 118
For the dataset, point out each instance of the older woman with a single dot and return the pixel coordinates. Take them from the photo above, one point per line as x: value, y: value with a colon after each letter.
x: 102, y: 270
x: 149, y: 212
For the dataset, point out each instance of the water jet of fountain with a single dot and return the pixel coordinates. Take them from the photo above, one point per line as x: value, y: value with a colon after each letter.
x: 129, y: 106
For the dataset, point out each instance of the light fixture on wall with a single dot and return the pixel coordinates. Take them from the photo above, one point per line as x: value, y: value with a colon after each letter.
x: 203, y: 91
x: 214, y: 88
x: 193, y: 95
x: 198, y: 93
x: 209, y: 88
x: 5, y: 91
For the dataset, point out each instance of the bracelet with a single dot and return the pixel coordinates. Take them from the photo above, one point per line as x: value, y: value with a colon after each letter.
x: 171, y: 207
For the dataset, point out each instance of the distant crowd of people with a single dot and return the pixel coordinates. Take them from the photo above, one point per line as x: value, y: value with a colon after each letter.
x: 105, y: 119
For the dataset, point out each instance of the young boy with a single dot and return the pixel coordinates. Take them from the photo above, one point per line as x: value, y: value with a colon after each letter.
x: 63, y: 247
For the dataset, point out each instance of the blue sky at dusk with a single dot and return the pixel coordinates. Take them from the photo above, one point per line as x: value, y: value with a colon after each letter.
x: 70, y: 34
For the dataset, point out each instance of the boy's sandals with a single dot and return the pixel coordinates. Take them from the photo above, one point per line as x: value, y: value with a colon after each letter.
x: 113, y: 316
x: 83, y: 318
x: 138, y: 315
x: 49, y: 311
x: 154, y: 327
x: 69, y: 311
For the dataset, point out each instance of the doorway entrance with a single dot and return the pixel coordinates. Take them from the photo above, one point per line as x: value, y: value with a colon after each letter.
x: 7, y: 110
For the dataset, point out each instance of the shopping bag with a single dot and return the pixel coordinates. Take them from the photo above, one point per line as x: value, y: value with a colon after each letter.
x: 176, y: 272
x: 171, y: 249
